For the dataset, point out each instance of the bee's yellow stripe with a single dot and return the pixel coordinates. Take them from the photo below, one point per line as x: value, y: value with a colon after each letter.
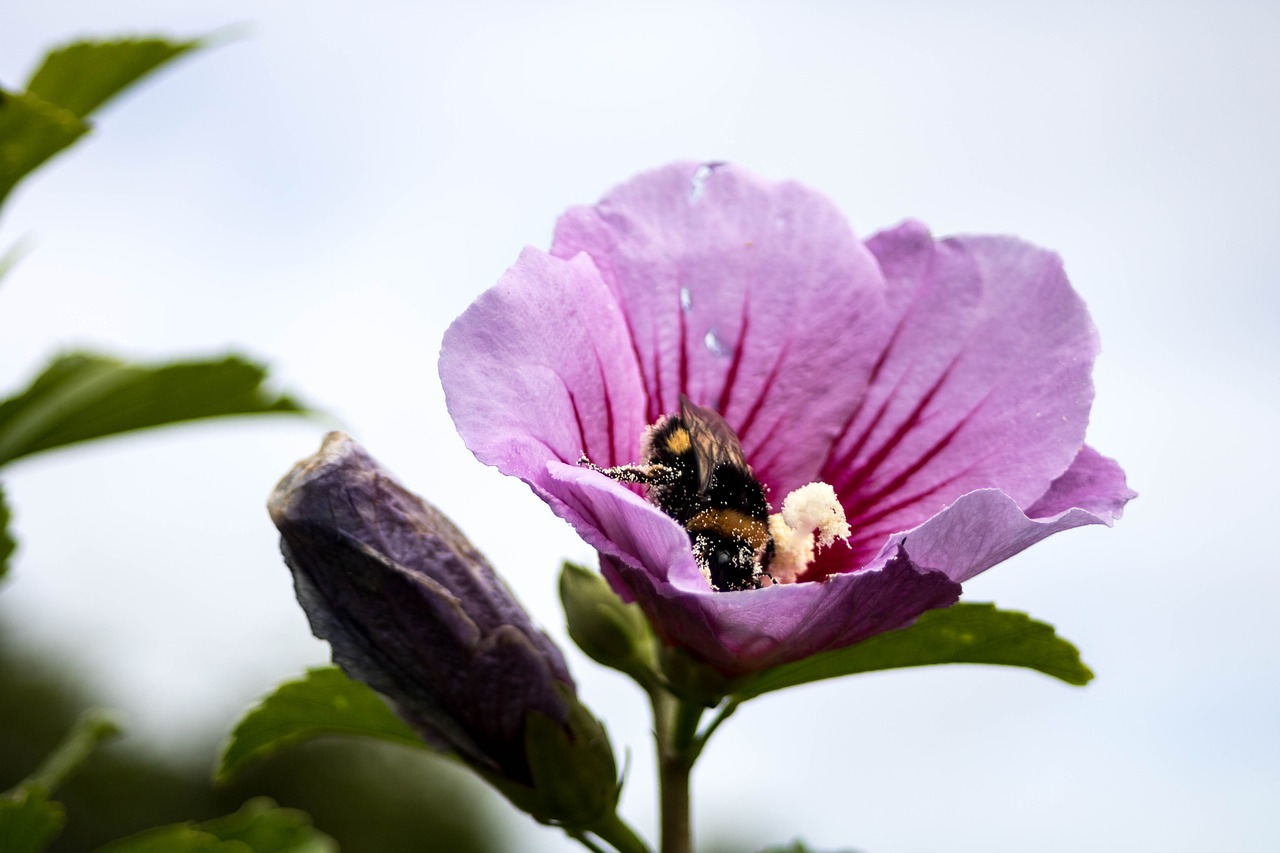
x: 730, y: 522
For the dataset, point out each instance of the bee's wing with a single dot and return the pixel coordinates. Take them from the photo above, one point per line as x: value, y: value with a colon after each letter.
x: 714, y: 441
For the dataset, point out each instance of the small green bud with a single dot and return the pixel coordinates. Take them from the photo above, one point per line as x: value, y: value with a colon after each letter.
x: 610, y: 631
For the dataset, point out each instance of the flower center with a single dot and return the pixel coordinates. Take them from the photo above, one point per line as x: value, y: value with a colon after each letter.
x: 694, y: 471
x: 811, y: 518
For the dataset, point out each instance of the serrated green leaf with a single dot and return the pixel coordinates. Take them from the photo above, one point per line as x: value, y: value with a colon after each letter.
x: 84, y: 396
x: 324, y: 702
x: 7, y: 544
x: 82, y: 76
x: 964, y: 633
x: 258, y: 827
x: 31, y: 131
x: 28, y: 820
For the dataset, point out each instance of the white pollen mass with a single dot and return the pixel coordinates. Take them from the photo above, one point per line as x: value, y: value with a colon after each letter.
x: 811, y: 518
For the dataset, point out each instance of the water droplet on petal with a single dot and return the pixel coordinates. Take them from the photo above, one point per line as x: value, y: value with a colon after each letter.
x: 699, y: 180
x: 714, y: 345
x: 685, y: 300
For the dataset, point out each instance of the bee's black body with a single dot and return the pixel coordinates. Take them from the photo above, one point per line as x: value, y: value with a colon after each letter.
x: 696, y: 474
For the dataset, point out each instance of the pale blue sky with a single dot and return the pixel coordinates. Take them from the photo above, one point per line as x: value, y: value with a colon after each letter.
x: 328, y: 190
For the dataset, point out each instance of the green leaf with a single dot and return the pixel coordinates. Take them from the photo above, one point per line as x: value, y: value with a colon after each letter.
x: 324, y: 702
x: 71, y: 83
x: 7, y: 545
x: 28, y: 820
x: 259, y: 826
x: 964, y: 633
x: 82, y: 76
x: 83, y: 396
x: 31, y: 131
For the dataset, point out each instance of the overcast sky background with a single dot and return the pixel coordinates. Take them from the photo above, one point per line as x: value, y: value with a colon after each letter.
x: 328, y: 190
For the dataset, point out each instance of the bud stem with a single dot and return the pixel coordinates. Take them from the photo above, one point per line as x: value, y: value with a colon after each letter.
x: 90, y: 729
x: 615, y: 831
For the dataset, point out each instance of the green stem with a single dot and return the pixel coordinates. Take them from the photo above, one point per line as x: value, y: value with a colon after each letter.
x: 91, y: 728
x: 675, y: 729
x: 700, y: 741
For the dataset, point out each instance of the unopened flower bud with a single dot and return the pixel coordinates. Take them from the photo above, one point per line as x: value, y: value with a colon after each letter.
x: 608, y: 629
x: 414, y: 611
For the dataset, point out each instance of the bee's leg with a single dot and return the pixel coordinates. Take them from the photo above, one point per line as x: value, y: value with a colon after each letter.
x: 651, y: 474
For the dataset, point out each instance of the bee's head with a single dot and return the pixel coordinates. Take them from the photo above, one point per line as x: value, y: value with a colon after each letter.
x: 730, y: 562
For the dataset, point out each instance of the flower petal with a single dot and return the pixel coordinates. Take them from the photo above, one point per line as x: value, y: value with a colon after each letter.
x: 647, y: 559
x: 540, y: 367
x: 986, y: 527
x: 741, y: 632
x: 985, y: 383
x: 754, y: 298
x: 1093, y: 482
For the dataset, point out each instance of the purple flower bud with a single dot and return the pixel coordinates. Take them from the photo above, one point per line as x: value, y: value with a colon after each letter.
x: 414, y: 611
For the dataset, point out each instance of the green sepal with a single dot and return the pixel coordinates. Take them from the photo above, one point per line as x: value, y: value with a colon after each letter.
x: 963, y: 633
x: 260, y: 826
x: 323, y: 702
x: 7, y: 543
x: 574, y: 776
x: 29, y: 821
x: 84, y: 396
x: 82, y: 76
x: 799, y: 847
x: 573, y: 768
x: 609, y: 630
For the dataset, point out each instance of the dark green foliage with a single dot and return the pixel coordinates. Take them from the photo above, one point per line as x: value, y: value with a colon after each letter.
x: 370, y: 797
x: 7, y: 545
x: 258, y: 826
x: 965, y: 633
x: 28, y: 820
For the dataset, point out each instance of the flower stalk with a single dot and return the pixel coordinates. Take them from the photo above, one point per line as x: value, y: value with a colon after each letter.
x: 675, y: 727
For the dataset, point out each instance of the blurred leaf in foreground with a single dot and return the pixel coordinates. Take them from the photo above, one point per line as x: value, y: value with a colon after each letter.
x: 84, y: 396
x: 7, y: 545
x: 31, y: 131
x: 71, y: 83
x: 260, y: 826
x: 82, y: 76
x: 28, y: 820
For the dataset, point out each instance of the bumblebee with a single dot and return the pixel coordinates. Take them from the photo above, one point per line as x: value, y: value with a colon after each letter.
x: 695, y: 472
